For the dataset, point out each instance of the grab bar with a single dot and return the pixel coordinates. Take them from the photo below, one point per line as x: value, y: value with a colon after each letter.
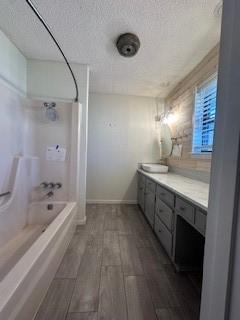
x: 5, y: 194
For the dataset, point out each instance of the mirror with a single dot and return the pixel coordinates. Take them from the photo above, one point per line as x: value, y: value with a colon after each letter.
x: 165, y: 141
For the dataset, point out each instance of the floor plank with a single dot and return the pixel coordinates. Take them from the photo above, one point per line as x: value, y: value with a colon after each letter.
x: 111, y: 220
x: 150, y: 259
x: 170, y: 314
x: 85, y: 295
x: 178, y: 281
x: 82, y: 316
x: 139, y: 229
x: 139, y: 302
x: 73, y: 256
x: 115, y: 268
x: 189, y: 302
x: 162, y: 294
x: 111, y: 249
x: 112, y: 305
x: 56, y: 302
x: 124, y: 227
x: 131, y: 262
x: 95, y: 226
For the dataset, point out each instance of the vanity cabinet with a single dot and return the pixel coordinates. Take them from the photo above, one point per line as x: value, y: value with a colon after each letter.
x: 178, y: 223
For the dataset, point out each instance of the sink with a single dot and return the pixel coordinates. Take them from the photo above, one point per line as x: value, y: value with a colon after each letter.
x: 154, y: 168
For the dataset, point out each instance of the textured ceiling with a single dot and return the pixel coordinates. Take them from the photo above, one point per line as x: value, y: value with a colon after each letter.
x: 175, y: 35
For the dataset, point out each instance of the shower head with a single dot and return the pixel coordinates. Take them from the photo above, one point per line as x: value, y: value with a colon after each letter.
x: 51, y: 112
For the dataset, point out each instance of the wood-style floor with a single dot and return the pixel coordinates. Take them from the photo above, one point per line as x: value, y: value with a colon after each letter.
x: 115, y: 269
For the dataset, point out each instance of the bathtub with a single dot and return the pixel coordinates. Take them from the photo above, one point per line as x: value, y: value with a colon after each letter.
x: 30, y: 260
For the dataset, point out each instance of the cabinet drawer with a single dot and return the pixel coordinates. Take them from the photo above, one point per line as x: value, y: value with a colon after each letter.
x: 165, y: 213
x: 165, y: 195
x: 185, y: 209
x: 163, y: 235
x: 200, y: 221
x: 150, y: 185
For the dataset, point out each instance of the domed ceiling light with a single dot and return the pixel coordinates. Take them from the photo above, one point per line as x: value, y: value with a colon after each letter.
x: 128, y: 44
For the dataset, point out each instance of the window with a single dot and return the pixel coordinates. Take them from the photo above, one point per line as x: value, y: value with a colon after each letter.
x: 204, y: 117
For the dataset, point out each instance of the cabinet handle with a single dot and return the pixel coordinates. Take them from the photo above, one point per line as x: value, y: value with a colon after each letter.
x: 160, y: 210
x: 182, y: 208
x: 159, y: 231
x: 162, y: 194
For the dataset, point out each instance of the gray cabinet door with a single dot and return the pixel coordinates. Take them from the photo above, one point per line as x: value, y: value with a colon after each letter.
x: 165, y: 213
x: 141, y: 190
x: 150, y: 207
x: 163, y: 235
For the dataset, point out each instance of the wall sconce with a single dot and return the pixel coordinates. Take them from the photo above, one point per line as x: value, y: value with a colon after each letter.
x: 169, y: 117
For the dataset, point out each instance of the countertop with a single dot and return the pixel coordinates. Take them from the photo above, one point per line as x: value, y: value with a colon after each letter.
x: 192, y: 190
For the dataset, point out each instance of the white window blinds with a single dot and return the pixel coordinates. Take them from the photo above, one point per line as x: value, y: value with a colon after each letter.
x: 204, y: 117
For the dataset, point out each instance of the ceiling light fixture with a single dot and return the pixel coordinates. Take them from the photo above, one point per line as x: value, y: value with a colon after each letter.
x: 128, y: 44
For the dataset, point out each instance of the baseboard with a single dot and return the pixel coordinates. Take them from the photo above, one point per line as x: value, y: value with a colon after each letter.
x: 97, y: 201
x: 81, y: 221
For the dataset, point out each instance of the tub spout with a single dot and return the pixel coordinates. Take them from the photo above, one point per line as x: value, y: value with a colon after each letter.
x: 50, y: 194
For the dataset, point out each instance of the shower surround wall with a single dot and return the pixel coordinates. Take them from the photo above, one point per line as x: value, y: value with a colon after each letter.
x: 49, y: 80
x: 13, y: 71
x: 12, y: 124
x: 65, y: 133
x: 43, y: 133
x: 12, y: 130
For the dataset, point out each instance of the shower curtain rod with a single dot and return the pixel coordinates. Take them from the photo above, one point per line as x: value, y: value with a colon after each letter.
x: 34, y: 9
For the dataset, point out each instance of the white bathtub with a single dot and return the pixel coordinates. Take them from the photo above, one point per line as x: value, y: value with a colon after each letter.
x: 28, y: 269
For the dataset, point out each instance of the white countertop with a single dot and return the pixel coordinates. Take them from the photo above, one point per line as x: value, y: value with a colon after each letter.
x: 192, y: 190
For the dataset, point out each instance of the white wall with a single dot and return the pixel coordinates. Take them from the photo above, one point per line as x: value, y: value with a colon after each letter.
x: 52, y: 80
x: 122, y: 133
x: 13, y: 64
x: 12, y: 102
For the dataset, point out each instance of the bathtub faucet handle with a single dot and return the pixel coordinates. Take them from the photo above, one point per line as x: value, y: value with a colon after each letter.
x: 44, y: 185
x: 58, y: 185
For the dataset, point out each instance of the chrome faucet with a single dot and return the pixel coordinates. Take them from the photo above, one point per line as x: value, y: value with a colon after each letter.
x: 51, y: 185
x: 44, y: 185
x: 50, y: 194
